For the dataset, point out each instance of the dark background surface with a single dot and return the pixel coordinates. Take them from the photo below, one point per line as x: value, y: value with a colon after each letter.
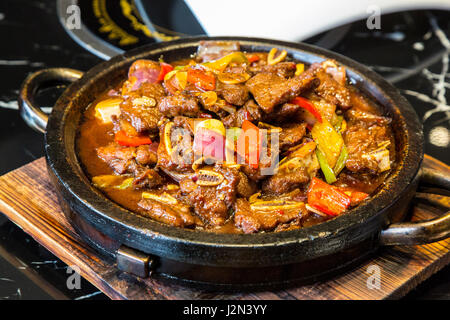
x: 410, y: 50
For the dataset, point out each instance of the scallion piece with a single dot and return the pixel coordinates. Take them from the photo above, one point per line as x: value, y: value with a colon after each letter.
x: 340, y: 163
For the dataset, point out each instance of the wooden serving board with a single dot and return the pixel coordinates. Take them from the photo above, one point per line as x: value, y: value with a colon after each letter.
x: 28, y: 199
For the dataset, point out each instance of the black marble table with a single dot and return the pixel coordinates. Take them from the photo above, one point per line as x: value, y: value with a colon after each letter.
x: 411, y: 50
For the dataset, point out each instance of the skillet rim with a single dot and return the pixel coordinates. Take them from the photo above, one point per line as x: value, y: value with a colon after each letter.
x: 165, y: 239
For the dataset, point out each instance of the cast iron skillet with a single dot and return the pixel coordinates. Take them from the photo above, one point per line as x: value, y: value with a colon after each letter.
x: 139, y: 244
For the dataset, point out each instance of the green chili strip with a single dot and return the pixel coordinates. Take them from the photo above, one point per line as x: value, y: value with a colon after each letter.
x: 338, y: 124
x: 330, y: 177
x: 340, y: 163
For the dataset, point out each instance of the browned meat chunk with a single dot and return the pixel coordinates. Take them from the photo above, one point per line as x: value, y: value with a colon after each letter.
x: 332, y: 91
x: 236, y: 94
x: 282, y: 69
x: 141, y: 118
x: 270, y: 90
x: 285, y: 112
x: 282, y: 183
x: 212, y: 203
x: 132, y: 160
x: 366, y: 133
x: 293, y: 171
x: 145, y: 177
x: 213, y: 50
x: 251, y: 218
x: 139, y: 112
x: 117, y: 157
x: 146, y: 154
x: 246, y: 187
x: 180, y: 157
x: 178, y: 216
x: 250, y: 111
x: 178, y: 105
x: 291, y: 135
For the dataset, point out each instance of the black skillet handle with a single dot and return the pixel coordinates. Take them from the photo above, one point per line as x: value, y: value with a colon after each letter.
x: 421, y: 232
x: 32, y: 114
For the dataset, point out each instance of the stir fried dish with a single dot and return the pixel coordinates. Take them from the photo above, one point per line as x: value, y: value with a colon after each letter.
x: 238, y: 142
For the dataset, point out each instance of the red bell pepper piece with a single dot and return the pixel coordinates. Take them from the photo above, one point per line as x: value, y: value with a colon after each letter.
x: 327, y: 198
x: 355, y: 196
x: 203, y: 79
x: 305, y: 104
x: 247, y: 144
x: 124, y: 140
x: 252, y: 58
x: 165, y: 69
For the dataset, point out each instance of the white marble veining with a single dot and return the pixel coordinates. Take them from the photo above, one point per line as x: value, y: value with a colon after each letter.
x: 438, y: 81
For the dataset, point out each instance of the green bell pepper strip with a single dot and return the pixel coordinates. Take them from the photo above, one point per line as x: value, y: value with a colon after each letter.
x: 340, y: 163
x: 330, y: 177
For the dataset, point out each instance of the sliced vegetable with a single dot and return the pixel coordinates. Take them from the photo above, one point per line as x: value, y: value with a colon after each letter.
x: 212, y: 125
x: 209, y: 139
x: 201, y: 78
x: 356, y: 196
x: 271, y: 59
x: 112, y: 181
x: 105, y: 109
x: 165, y: 69
x: 294, y: 160
x: 168, y: 138
x: 181, y: 79
x: 209, y: 144
x: 162, y: 198
x: 252, y: 58
x: 299, y: 68
x: 144, y: 102
x: 170, y: 74
x: 249, y: 144
x: 275, y: 205
x: 329, y: 141
x: 338, y: 123
x: 328, y: 172
x: 106, y: 181
x: 306, y: 104
x: 326, y: 198
x: 232, y: 78
x: 312, y: 209
x: 208, y: 98
x: 222, y: 63
x: 126, y: 184
x: 124, y: 140
x: 340, y: 163
x: 175, y: 80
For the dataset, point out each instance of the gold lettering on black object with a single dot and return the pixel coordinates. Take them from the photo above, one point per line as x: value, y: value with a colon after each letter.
x: 127, y: 10
x: 117, y: 33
